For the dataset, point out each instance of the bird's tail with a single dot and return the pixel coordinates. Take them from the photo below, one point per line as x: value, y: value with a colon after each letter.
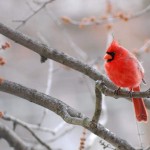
x: 139, y: 107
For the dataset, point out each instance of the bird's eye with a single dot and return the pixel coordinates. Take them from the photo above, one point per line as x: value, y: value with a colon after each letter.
x: 112, y: 54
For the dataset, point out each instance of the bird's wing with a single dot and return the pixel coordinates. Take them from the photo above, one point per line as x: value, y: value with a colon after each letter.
x: 139, y: 66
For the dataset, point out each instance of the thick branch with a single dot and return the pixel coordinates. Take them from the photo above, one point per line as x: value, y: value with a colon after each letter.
x: 60, y: 57
x: 104, y: 88
x: 66, y: 112
x: 52, y: 53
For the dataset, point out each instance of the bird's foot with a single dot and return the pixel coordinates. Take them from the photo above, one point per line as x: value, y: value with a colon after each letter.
x: 130, y: 93
x: 116, y: 92
x: 148, y: 91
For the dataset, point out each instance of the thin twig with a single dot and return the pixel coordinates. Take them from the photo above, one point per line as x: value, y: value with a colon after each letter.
x: 22, y: 22
x: 28, y: 127
x: 49, y: 78
x: 76, y: 48
x: 143, y: 49
x: 51, y: 53
x: 13, y: 139
x: 62, y: 134
x: 107, y: 20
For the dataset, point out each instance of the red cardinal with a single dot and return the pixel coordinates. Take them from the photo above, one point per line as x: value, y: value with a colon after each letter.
x: 124, y: 70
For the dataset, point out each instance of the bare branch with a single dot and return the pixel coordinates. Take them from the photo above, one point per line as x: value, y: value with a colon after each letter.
x: 13, y: 139
x: 62, y: 134
x: 66, y: 112
x: 31, y: 127
x: 143, y: 49
x: 22, y: 22
x: 140, y: 13
x: 49, y: 78
x: 104, y: 88
x: 51, y: 53
x: 107, y: 20
x: 68, y: 38
x: 98, y: 105
x: 26, y: 126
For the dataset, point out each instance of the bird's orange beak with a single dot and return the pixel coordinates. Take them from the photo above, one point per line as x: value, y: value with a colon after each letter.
x: 107, y: 57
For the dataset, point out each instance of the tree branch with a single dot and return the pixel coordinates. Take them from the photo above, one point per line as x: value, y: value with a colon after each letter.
x: 104, y: 88
x: 22, y: 22
x: 62, y: 58
x: 13, y: 139
x: 63, y: 110
x: 107, y: 20
x: 66, y: 112
x: 98, y: 105
x: 27, y: 125
x: 51, y: 53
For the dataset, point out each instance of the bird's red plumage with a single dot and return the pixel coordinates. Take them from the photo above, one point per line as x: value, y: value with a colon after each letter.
x: 124, y: 70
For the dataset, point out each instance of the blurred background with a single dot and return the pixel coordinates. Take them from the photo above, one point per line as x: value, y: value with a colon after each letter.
x: 87, y: 43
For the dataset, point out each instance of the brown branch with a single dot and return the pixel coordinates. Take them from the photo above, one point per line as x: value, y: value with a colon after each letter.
x: 66, y: 112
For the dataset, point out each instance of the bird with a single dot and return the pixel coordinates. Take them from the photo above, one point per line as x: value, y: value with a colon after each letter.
x: 125, y: 71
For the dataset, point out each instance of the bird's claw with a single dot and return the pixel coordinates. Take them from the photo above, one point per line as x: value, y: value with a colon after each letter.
x: 148, y: 90
x: 130, y: 93
x: 116, y: 92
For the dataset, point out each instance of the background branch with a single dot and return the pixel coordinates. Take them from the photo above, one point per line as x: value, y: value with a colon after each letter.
x: 13, y: 139
x: 23, y: 22
x: 97, y: 21
x: 27, y: 125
